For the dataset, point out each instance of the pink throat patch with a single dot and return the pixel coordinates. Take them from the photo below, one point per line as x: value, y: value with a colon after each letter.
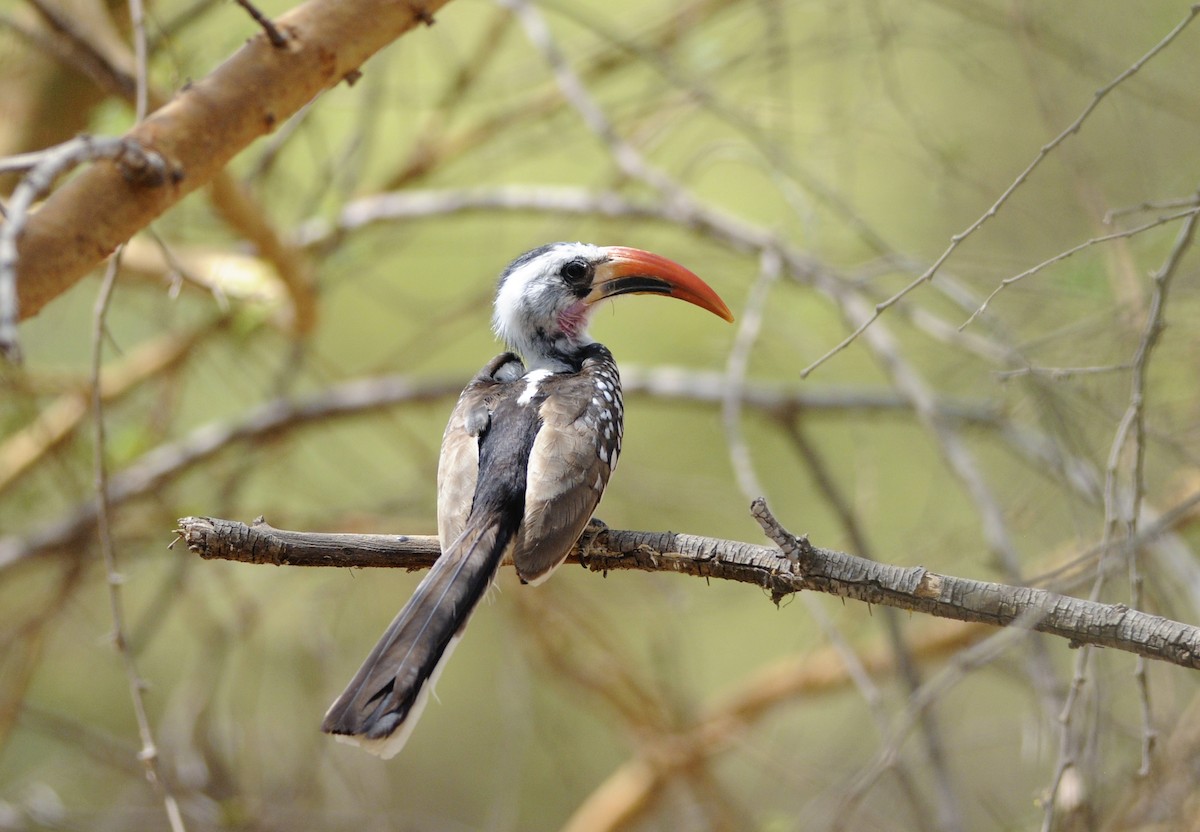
x: 573, y: 320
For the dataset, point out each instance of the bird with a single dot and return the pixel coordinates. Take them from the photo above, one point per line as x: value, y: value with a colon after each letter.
x: 525, y: 459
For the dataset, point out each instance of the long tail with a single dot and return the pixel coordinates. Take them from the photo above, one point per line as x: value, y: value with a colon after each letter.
x: 382, y: 704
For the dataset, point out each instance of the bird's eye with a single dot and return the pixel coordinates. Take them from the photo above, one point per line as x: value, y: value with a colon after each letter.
x: 577, y: 272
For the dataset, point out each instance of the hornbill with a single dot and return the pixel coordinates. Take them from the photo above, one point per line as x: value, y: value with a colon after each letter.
x: 525, y: 458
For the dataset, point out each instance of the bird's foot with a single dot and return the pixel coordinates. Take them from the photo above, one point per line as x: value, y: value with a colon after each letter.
x: 591, y: 531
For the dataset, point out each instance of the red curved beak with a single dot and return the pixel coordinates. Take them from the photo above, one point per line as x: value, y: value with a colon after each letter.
x: 631, y: 271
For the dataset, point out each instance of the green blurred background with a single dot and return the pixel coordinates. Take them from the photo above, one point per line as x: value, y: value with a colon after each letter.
x: 857, y: 138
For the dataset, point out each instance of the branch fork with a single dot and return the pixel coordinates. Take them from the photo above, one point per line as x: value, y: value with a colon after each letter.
x: 138, y: 166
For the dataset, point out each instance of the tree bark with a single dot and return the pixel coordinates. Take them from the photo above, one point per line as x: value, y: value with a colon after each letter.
x: 200, y: 130
x: 796, y: 565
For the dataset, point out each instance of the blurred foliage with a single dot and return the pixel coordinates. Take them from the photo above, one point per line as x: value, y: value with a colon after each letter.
x: 863, y: 136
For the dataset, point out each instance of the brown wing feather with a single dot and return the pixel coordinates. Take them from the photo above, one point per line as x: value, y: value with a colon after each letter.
x: 458, y: 465
x: 569, y: 468
x: 458, y: 469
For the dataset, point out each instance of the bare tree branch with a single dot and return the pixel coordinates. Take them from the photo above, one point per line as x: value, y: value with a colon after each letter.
x: 23, y: 449
x: 148, y: 753
x: 1064, y: 254
x: 159, y: 466
x: 137, y: 167
x: 201, y: 129
x: 1045, y: 150
x: 796, y: 565
x: 106, y: 64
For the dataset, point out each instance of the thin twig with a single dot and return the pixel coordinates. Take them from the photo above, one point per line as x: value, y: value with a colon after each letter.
x: 22, y: 449
x: 1150, y: 205
x: 232, y: 201
x: 1046, y: 149
x: 1122, y: 509
x: 148, y: 754
x: 169, y: 460
x: 1137, y: 405
x: 1063, y: 255
x: 1067, y: 744
x: 947, y: 805
x: 362, y: 396
x: 273, y: 34
x: 737, y: 364
x: 75, y: 46
x: 1057, y: 373
x: 629, y: 792
x: 339, y: 37
x: 137, y: 19
x: 23, y: 162
x: 961, y: 665
x: 244, y: 213
x: 683, y: 208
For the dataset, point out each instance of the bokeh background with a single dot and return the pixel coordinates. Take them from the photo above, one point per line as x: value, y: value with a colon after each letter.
x: 809, y: 160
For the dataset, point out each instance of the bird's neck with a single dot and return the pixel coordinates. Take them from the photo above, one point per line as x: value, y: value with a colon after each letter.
x: 562, y: 354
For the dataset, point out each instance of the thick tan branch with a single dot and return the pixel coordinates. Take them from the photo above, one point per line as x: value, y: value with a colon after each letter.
x: 796, y: 566
x: 200, y: 130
